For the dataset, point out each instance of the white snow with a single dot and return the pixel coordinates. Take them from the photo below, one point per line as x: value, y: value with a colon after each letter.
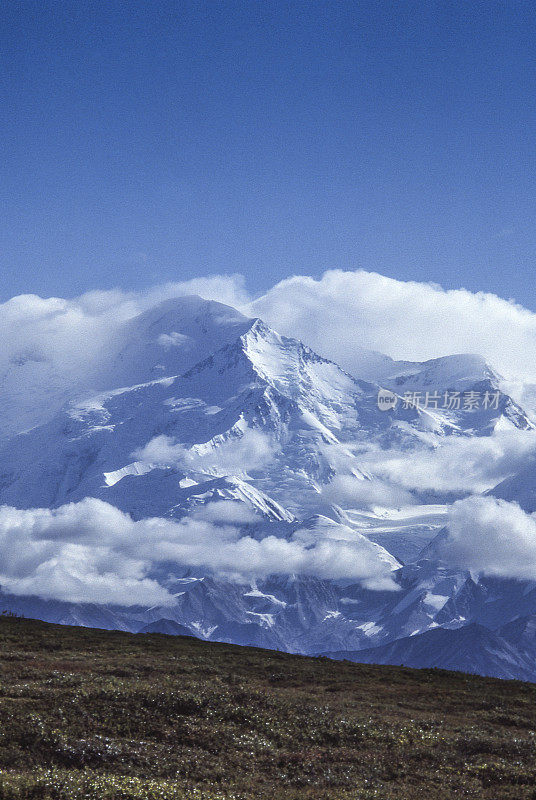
x: 136, y: 468
x: 437, y: 601
x: 201, y: 374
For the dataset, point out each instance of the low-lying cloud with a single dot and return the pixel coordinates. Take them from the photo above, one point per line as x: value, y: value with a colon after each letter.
x: 491, y: 537
x: 245, y: 450
x: 92, y: 552
x: 348, y: 491
x: 457, y: 464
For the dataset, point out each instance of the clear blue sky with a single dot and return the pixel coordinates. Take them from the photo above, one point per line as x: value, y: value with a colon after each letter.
x: 150, y: 141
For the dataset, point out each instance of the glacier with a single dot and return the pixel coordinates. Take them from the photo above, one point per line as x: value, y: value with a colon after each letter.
x: 196, y: 408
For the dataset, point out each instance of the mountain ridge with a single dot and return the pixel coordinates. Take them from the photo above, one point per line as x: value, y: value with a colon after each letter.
x: 219, y: 408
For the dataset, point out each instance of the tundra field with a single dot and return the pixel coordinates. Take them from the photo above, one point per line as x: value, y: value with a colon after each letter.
x: 111, y: 715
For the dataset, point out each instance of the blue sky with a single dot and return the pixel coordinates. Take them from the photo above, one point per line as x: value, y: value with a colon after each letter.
x: 144, y: 142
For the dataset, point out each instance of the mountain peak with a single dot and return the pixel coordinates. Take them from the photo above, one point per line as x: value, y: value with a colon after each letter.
x: 459, y: 371
x: 170, y: 338
x: 186, y: 311
x: 290, y: 366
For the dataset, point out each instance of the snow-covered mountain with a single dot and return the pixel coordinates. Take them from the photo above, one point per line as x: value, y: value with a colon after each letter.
x: 519, y: 488
x: 315, y: 416
x: 472, y: 648
x: 444, y: 379
x: 197, y: 405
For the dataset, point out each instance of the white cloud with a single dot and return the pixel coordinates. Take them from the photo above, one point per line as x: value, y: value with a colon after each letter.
x: 53, y: 348
x: 73, y: 553
x: 92, y: 552
x: 458, y: 464
x: 247, y: 450
x: 227, y: 289
x: 237, y: 557
x: 348, y: 491
x: 491, y: 537
x: 344, y: 311
x: 169, y: 340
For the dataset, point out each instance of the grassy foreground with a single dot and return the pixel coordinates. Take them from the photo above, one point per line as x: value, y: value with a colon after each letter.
x: 93, y: 714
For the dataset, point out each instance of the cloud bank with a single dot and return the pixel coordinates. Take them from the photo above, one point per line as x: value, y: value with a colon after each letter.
x: 348, y: 491
x: 344, y: 311
x: 92, y: 552
x: 458, y: 464
x: 52, y: 348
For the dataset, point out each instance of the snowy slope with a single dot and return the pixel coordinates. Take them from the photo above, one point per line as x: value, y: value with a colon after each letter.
x: 197, y: 403
x: 519, y: 488
x: 312, y: 413
x: 463, y: 374
x: 472, y: 649
x: 404, y: 532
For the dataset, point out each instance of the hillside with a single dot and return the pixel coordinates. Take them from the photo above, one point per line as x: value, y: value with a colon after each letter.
x: 103, y: 714
x: 210, y: 476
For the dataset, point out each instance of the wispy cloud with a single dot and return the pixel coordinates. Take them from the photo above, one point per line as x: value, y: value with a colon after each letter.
x: 456, y: 464
x: 244, y: 450
x: 348, y: 491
